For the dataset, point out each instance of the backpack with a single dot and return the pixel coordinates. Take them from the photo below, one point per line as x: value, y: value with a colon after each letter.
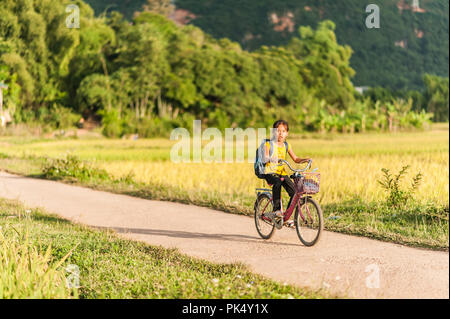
x: 261, y: 160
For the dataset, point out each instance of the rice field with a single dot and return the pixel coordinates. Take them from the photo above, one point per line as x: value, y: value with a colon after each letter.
x: 350, y: 165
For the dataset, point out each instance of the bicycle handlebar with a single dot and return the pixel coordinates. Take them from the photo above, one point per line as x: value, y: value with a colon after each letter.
x: 282, y: 161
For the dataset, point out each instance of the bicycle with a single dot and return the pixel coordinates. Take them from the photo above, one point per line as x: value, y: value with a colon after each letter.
x: 309, y: 226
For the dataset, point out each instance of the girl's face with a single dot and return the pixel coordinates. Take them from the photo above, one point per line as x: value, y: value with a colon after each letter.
x: 281, y: 133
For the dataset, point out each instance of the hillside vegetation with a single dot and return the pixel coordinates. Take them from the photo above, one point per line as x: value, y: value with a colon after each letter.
x: 152, y: 75
x: 412, y: 41
x: 408, y: 44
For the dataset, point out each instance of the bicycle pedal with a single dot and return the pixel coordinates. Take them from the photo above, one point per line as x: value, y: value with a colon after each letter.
x: 278, y: 223
x: 289, y: 224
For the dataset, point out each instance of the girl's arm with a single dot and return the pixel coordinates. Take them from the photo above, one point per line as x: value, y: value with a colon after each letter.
x: 297, y: 159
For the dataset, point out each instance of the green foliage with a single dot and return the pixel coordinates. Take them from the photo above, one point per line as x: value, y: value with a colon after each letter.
x: 433, y: 100
x: 127, y: 8
x: 163, y: 7
x: 28, y: 271
x: 150, y: 76
x: 71, y: 167
x: 112, y: 124
x: 326, y: 64
x: 91, y: 94
x: 377, y: 59
x: 11, y: 96
x: 162, y: 69
x: 16, y: 64
x: 59, y: 116
x: 397, y: 195
x: 38, y: 49
x: 437, y: 97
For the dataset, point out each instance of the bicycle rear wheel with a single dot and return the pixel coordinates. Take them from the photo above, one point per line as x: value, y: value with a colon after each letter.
x: 264, y: 225
x: 309, y: 224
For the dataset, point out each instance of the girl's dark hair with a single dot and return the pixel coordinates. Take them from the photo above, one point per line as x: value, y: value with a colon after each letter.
x: 281, y: 122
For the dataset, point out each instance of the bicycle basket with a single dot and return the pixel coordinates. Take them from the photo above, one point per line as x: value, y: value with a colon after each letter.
x: 309, y: 184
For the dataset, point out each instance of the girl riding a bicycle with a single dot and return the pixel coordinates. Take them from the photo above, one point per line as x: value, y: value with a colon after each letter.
x: 278, y: 176
x: 301, y: 187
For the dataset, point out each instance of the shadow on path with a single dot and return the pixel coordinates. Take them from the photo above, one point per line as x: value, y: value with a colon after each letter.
x: 195, y: 235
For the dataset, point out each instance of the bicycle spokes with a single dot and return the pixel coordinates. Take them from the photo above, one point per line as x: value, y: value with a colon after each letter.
x: 264, y: 211
x: 264, y: 224
x: 309, y: 222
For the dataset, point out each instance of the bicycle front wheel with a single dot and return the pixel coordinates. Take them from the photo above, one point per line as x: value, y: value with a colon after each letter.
x: 264, y: 225
x: 309, y: 222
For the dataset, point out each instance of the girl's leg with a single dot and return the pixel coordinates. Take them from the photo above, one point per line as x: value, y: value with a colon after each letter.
x: 276, y: 190
x: 289, y: 186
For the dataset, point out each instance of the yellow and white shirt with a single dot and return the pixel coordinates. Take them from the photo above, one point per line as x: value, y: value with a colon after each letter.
x: 272, y: 168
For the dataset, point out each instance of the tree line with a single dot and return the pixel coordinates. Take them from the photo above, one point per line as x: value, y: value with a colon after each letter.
x: 150, y: 75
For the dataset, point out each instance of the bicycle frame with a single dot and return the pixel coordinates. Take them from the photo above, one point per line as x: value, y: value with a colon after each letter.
x: 288, y: 213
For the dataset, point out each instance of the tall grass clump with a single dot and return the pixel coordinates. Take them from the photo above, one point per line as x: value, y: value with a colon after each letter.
x: 71, y: 167
x: 26, y: 272
x: 399, y: 196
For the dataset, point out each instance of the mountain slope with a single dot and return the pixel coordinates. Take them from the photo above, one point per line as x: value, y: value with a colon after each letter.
x: 412, y: 39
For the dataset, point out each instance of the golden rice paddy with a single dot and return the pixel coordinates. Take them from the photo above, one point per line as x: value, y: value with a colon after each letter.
x: 350, y: 165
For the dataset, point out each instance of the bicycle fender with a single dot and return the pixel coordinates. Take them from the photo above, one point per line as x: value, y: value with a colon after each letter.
x: 265, y: 193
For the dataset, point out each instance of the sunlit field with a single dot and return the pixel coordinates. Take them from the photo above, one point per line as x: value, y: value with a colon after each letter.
x: 350, y: 165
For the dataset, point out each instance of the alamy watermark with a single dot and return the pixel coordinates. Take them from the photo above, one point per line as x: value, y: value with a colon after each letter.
x: 373, y: 279
x: 219, y: 149
x: 73, y: 19
x: 373, y: 19
x: 73, y: 276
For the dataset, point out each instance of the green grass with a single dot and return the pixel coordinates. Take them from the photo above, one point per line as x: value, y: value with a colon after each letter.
x: 111, y: 267
x: 26, y: 271
x: 415, y: 225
